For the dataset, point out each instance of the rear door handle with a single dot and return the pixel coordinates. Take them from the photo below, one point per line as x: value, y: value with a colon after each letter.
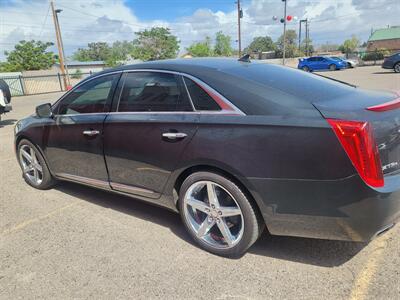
x: 174, y: 135
x: 91, y: 132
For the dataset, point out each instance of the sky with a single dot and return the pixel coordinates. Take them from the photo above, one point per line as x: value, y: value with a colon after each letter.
x: 331, y: 21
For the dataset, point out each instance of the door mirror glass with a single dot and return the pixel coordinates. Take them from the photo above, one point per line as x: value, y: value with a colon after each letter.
x: 44, y: 111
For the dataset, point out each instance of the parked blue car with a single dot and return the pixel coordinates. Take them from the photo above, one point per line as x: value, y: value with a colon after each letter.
x: 315, y: 63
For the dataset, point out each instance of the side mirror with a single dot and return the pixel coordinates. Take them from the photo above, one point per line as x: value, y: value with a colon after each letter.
x: 44, y: 111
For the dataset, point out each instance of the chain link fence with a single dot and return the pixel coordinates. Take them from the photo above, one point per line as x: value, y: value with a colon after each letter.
x: 40, y: 84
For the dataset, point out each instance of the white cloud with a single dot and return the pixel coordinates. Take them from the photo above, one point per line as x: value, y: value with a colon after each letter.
x: 110, y: 20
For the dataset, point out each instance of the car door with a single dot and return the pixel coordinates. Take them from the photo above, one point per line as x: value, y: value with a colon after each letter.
x: 73, y: 141
x: 147, y: 134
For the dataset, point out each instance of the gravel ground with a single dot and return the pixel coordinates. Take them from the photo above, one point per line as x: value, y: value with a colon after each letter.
x: 77, y: 242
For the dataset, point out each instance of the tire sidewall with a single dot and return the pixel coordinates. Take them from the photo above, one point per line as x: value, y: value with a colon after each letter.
x: 250, y: 220
x: 398, y: 67
x: 48, y: 180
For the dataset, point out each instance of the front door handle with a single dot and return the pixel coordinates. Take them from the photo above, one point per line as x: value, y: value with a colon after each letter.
x: 91, y: 132
x: 174, y: 135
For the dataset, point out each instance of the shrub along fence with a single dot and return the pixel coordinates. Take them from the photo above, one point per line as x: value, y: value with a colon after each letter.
x: 41, y: 84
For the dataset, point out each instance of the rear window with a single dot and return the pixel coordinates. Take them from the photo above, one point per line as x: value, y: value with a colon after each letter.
x: 259, y: 88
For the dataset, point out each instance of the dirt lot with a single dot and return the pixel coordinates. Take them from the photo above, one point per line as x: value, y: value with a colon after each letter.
x: 77, y: 242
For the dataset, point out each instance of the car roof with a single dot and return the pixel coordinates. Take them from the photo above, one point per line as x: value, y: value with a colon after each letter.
x: 185, y: 65
x: 250, y: 85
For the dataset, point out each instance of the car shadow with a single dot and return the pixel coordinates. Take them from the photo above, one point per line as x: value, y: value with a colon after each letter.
x: 4, y: 123
x: 385, y: 72
x: 324, y: 253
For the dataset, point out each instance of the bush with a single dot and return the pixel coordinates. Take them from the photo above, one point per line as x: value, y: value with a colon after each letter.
x: 77, y: 74
x: 378, y: 54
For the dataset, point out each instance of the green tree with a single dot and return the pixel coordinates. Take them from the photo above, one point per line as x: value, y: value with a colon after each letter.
x: 94, y: 51
x: 201, y: 49
x: 120, y: 50
x: 156, y: 43
x: 349, y: 45
x: 260, y: 44
x: 222, y: 44
x: 291, y: 44
x: 28, y: 55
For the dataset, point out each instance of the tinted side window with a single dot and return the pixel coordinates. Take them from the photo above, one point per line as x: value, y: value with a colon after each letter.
x: 151, y: 91
x: 201, y: 100
x: 91, y: 97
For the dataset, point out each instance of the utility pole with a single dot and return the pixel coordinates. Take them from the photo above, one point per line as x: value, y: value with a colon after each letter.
x: 284, y: 33
x: 301, y: 21
x: 306, y: 34
x: 240, y: 15
x: 307, y: 37
x: 59, y: 45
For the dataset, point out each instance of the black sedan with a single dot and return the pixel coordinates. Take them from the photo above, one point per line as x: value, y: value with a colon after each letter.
x: 237, y: 148
x: 392, y: 62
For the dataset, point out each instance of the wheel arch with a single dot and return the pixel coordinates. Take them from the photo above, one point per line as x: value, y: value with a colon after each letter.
x: 21, y: 137
x: 240, y: 182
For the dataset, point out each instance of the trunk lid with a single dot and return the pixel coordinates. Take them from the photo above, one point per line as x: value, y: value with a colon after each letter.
x: 385, y: 122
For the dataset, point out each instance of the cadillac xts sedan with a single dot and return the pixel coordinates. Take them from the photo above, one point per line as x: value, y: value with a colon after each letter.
x: 237, y: 148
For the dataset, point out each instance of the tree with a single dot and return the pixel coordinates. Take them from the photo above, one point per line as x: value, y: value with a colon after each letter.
x: 28, y: 55
x: 120, y: 50
x: 156, y: 43
x: 94, y: 51
x: 327, y: 47
x: 201, y: 49
x: 260, y: 44
x: 349, y: 45
x: 291, y: 44
x: 222, y: 44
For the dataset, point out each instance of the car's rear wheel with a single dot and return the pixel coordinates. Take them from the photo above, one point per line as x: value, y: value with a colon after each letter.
x: 305, y: 68
x: 332, y: 67
x: 218, y: 215
x: 34, y: 168
x: 397, y: 67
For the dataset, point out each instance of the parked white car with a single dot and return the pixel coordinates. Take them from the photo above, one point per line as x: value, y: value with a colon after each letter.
x: 350, y: 62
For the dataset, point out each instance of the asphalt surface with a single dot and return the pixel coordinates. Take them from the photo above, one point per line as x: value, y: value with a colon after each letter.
x: 77, y: 242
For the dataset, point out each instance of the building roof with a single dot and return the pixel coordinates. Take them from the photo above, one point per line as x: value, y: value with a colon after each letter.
x: 84, y: 63
x: 385, y: 34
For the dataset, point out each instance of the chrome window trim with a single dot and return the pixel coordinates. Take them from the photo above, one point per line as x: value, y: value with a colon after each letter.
x: 236, y: 110
x: 198, y: 81
x: 78, y: 85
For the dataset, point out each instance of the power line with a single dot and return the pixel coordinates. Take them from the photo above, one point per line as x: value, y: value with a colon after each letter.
x: 44, y: 23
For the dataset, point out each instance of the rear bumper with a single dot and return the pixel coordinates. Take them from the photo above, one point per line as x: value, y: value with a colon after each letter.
x: 387, y: 65
x: 345, y: 209
x: 7, y: 108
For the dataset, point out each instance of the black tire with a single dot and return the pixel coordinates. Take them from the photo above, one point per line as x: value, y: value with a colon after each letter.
x: 253, y: 222
x: 306, y: 69
x: 396, y: 67
x: 349, y: 65
x: 47, y: 180
x: 332, y: 67
x: 6, y: 90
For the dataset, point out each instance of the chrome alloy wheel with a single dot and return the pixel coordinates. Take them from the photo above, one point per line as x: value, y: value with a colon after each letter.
x: 31, y: 167
x: 213, y: 214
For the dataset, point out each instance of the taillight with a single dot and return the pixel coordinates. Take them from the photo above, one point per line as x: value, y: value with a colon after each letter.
x: 358, y: 141
x: 386, y: 106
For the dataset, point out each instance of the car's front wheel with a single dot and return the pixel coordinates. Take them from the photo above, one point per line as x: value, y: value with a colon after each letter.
x: 34, y: 168
x: 332, y: 67
x: 218, y: 215
x: 397, y: 67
